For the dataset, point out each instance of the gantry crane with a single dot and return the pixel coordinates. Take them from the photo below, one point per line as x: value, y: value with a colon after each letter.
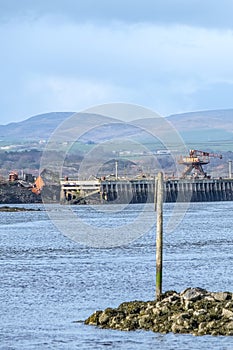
x: 195, y: 161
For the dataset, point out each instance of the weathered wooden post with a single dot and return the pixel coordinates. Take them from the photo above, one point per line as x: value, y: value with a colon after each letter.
x: 230, y: 169
x: 159, y: 235
x: 155, y: 193
x: 116, y: 169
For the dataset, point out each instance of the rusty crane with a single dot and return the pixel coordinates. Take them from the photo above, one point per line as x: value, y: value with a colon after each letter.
x: 195, y: 161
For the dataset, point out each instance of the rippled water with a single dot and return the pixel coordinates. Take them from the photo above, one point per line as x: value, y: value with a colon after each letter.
x: 48, y: 281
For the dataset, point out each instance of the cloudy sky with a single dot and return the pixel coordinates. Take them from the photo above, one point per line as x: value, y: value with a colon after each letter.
x: 68, y: 55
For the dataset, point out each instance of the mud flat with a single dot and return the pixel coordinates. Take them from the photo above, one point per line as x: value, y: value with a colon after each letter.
x: 194, y: 311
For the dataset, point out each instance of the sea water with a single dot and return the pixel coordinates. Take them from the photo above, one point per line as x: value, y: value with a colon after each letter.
x: 50, y: 284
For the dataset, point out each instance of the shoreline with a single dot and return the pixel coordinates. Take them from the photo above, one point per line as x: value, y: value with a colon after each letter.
x: 193, y: 311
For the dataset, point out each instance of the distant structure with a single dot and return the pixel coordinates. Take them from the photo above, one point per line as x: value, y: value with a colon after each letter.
x: 194, y: 163
x: 193, y: 186
x: 29, y: 178
x: 13, y: 176
x: 38, y: 185
x: 142, y: 190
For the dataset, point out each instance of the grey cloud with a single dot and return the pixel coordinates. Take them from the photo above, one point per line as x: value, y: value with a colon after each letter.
x: 204, y: 13
x: 55, y: 64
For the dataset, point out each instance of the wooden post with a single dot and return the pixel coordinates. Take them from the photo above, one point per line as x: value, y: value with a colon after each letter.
x: 159, y: 236
x: 155, y: 193
x: 230, y: 169
x: 116, y: 169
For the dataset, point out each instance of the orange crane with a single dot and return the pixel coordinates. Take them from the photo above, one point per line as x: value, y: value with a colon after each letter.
x: 195, y: 161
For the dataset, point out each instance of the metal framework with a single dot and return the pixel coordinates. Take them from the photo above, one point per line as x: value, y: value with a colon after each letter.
x: 195, y: 161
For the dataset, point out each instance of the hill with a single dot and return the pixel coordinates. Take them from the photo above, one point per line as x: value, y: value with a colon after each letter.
x: 21, y: 147
x: 216, y: 119
x: 37, y: 127
x: 207, y: 128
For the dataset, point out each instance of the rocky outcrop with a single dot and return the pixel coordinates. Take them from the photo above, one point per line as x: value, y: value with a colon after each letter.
x: 195, y: 311
x: 13, y: 193
x: 15, y: 209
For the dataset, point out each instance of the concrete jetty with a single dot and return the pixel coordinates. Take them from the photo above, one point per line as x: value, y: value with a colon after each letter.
x: 142, y: 190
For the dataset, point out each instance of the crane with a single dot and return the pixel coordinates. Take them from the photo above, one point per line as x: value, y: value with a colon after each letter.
x: 195, y: 161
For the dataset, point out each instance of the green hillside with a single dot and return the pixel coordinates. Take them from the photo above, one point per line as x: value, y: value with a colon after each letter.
x: 206, y: 129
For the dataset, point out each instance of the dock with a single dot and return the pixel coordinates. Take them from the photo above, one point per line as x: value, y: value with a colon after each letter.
x: 142, y: 190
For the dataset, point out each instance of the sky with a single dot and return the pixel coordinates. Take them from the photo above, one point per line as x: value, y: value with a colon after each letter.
x: 171, y: 56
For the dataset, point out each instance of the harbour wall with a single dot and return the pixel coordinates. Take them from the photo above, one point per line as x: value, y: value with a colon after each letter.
x: 174, y: 191
x: 142, y: 191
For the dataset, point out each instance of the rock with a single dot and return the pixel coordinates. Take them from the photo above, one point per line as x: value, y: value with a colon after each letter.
x: 188, y: 305
x: 6, y: 208
x: 229, y: 326
x: 193, y: 294
x: 176, y: 328
x: 179, y: 318
x: 104, y: 318
x: 194, y: 311
x: 222, y: 296
x: 12, y: 193
x: 143, y: 321
x: 202, y: 327
x: 93, y: 319
x: 197, y: 313
x: 165, y: 309
x: 155, y: 311
x: 212, y: 325
x: 227, y: 313
x: 229, y: 305
x: 169, y: 293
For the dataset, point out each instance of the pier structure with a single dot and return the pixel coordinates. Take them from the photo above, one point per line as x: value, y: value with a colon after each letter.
x: 73, y: 191
x: 142, y: 190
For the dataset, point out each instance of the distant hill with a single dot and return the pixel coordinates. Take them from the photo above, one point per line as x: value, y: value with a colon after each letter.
x: 21, y: 146
x: 37, y: 127
x: 218, y: 119
x: 208, y: 127
x: 213, y: 127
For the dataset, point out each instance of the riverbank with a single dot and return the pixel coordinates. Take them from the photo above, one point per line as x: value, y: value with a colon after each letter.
x: 193, y: 311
